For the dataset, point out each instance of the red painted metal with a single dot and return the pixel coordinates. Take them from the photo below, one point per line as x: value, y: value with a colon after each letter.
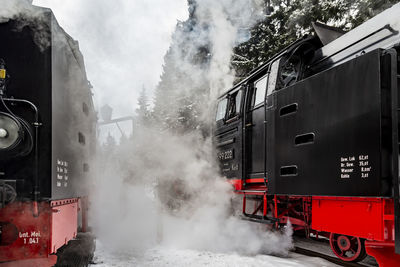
x: 265, y: 207
x: 276, y: 209
x: 250, y: 183
x: 30, y: 233
x: 369, y: 218
x: 237, y: 183
x: 361, y: 217
x: 255, y: 180
x: 293, y: 221
x: 347, y: 248
x: 50, y: 261
x: 28, y: 236
x: 356, y: 217
x: 383, y: 252
x: 64, y: 222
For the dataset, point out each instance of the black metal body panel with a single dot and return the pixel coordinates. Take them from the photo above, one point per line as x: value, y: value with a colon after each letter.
x: 228, y: 142
x: 30, y: 78
x: 228, y: 139
x: 256, y: 144
x: 332, y: 144
x: 54, y: 79
x: 73, y: 125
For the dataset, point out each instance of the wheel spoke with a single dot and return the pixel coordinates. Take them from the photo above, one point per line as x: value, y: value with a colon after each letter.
x: 347, y: 248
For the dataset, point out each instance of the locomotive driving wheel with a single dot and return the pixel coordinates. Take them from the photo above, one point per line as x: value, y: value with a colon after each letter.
x: 347, y: 248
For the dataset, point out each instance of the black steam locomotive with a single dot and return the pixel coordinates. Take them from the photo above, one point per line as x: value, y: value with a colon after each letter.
x: 47, y: 138
x: 312, y: 137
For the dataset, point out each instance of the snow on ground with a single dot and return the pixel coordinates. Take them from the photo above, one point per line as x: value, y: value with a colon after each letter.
x: 160, y: 256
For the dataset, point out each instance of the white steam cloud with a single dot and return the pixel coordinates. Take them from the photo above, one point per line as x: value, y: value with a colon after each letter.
x: 166, y: 188
x: 226, y: 18
x: 163, y: 187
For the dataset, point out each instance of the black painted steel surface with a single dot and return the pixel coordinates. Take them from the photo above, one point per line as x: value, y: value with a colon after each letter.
x: 332, y: 144
x: 46, y: 68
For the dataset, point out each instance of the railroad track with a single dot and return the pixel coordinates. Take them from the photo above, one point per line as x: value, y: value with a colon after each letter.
x: 321, y: 249
x: 335, y: 260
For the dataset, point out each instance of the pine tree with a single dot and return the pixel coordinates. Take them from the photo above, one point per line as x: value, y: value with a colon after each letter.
x: 178, y: 96
x: 291, y: 19
x: 143, y: 113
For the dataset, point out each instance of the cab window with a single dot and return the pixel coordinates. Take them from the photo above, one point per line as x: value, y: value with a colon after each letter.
x: 259, y: 87
x: 238, y: 101
x: 235, y: 101
x: 221, y: 109
x: 273, y: 76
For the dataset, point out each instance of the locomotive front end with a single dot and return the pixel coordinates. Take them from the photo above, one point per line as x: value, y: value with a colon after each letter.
x: 44, y: 169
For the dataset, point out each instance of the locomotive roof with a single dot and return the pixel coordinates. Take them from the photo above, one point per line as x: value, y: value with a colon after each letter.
x: 254, y: 73
x: 381, y: 31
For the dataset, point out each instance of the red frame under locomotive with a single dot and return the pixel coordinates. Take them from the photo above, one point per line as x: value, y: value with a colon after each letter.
x: 366, y: 221
x: 30, y: 239
x: 311, y: 137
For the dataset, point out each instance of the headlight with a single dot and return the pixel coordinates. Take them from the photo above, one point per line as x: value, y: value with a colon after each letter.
x: 16, y: 137
x: 2, y: 73
x: 9, y: 132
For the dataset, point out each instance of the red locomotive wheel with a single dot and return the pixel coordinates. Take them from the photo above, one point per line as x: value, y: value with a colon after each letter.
x: 347, y: 248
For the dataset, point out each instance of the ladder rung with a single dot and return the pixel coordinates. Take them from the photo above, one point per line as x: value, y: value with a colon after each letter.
x: 252, y: 191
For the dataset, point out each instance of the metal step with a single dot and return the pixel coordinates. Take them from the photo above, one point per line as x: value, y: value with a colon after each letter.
x: 258, y: 219
x: 252, y: 191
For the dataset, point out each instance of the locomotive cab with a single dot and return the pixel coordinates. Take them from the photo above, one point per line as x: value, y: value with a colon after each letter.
x: 240, y: 133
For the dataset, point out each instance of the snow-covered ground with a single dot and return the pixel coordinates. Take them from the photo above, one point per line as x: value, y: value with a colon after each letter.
x: 160, y: 256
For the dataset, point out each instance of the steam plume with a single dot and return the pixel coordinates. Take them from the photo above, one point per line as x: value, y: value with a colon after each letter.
x: 187, y: 204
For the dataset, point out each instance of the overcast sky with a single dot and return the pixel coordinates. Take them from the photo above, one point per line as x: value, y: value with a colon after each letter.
x: 123, y: 43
